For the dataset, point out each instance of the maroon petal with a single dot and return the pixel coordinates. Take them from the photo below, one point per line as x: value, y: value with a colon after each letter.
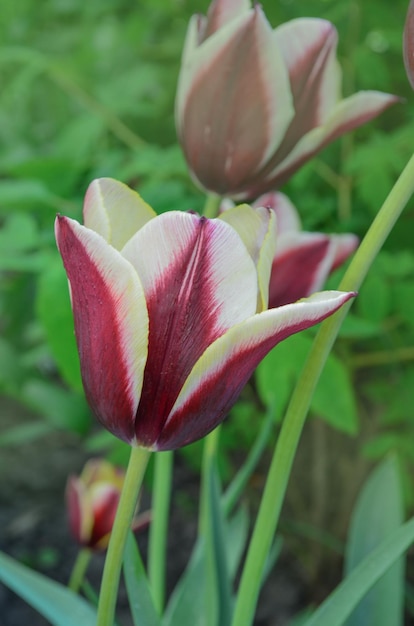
x: 199, y: 280
x: 111, y: 324
x: 220, y: 374
x: 299, y: 269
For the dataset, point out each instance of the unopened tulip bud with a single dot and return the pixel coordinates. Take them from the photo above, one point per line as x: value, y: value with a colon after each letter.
x: 408, y: 43
x: 92, y: 501
x: 254, y: 104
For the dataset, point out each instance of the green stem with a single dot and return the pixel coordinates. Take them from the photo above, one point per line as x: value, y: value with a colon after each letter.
x: 79, y: 569
x: 159, y: 525
x: 210, y: 448
x: 211, y: 205
x: 279, y: 472
x: 126, y: 508
x: 239, y: 482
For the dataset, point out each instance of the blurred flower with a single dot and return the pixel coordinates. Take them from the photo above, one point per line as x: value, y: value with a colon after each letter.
x: 303, y: 260
x: 253, y: 104
x: 170, y: 319
x: 92, y: 500
x: 408, y: 43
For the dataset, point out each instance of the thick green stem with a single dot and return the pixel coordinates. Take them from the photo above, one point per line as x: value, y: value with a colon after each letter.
x: 279, y: 472
x: 210, y: 447
x: 159, y: 526
x: 211, y: 205
x: 126, y: 508
x: 79, y: 569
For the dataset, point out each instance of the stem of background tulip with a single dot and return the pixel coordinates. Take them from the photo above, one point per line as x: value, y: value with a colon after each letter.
x: 126, y: 508
x: 211, y: 205
x: 279, y: 471
x: 159, y: 524
x: 79, y: 569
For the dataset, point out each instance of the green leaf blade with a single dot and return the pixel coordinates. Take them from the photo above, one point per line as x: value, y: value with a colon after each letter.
x: 55, y: 602
x: 378, y: 512
x: 140, y: 601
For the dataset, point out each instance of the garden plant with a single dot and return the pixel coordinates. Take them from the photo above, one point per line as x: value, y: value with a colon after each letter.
x: 184, y: 309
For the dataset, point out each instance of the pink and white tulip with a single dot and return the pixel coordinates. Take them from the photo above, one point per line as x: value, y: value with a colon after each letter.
x: 92, y: 501
x: 171, y: 319
x: 303, y: 260
x: 253, y: 104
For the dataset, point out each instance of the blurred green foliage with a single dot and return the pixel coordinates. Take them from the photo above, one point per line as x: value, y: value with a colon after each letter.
x: 88, y: 90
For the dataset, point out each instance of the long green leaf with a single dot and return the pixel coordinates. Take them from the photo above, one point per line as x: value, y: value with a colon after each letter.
x: 339, y: 605
x: 186, y: 605
x: 371, y: 523
x: 139, y: 595
x: 239, y: 482
x: 218, y: 572
x: 55, y: 602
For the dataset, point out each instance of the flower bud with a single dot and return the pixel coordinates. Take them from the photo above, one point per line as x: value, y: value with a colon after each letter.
x: 254, y: 104
x: 92, y: 501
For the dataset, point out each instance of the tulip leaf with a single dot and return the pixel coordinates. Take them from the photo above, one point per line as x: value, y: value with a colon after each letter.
x: 55, y: 314
x: 371, y: 523
x: 59, y: 605
x: 374, y: 299
x: 334, y: 397
x: 187, y: 603
x: 239, y: 482
x: 139, y: 595
x: 23, y: 194
x: 218, y: 577
x: 346, y: 597
x: 60, y: 407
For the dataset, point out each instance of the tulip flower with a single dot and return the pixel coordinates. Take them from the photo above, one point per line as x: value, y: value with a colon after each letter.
x: 253, y: 104
x: 303, y: 260
x: 408, y: 44
x: 171, y: 318
x: 92, y: 501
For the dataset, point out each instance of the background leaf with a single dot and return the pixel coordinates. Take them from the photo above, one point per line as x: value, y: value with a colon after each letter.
x: 378, y: 512
x: 52, y: 600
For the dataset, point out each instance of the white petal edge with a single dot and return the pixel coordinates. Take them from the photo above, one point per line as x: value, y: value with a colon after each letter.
x: 132, y: 312
x: 114, y: 211
x: 251, y: 333
x: 152, y: 250
x: 364, y: 104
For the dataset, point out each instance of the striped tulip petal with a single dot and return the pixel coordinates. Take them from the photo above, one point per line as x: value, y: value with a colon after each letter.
x: 199, y: 280
x: 219, y: 375
x: 308, y: 47
x: 170, y: 327
x: 303, y: 261
x: 238, y: 68
x: 347, y: 115
x: 79, y: 511
x: 105, y: 499
x: 300, y: 267
x: 286, y: 214
x: 344, y: 246
x: 92, y: 500
x: 111, y: 324
x: 221, y: 12
x: 114, y: 211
